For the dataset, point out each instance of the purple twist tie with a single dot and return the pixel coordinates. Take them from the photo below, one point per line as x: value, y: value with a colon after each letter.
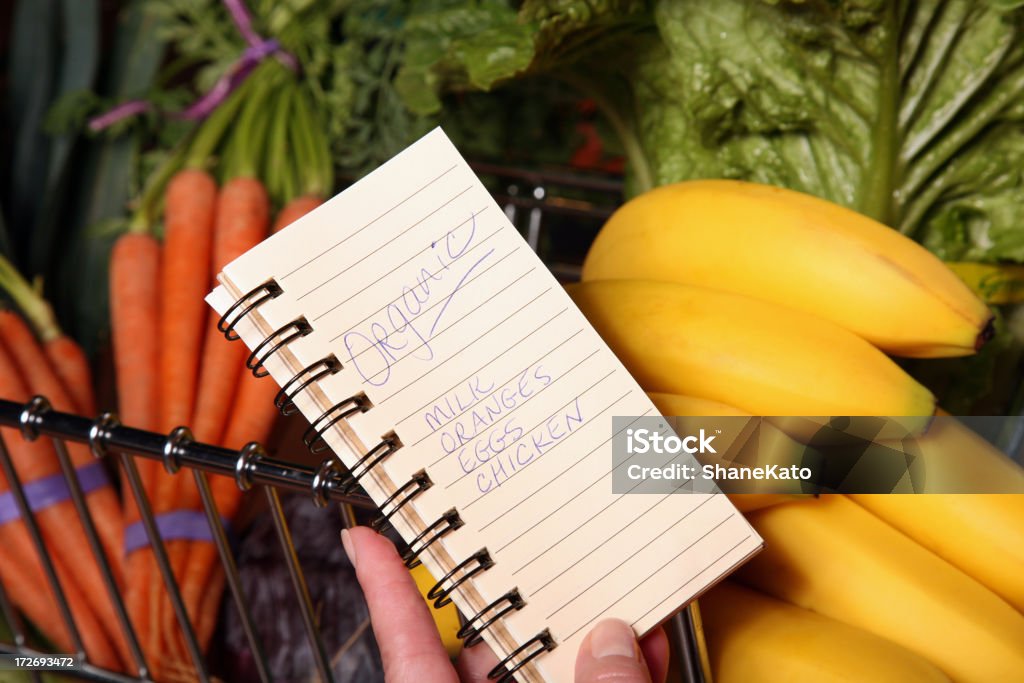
x: 48, y: 491
x: 119, y: 113
x: 258, y: 50
x: 176, y: 525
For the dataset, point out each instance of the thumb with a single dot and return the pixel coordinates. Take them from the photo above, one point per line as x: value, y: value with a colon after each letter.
x: 610, y: 653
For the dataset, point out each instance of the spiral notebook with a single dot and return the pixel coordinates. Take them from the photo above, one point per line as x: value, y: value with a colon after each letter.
x: 435, y: 355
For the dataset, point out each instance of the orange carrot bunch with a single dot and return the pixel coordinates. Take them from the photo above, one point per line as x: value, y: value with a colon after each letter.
x: 46, y: 362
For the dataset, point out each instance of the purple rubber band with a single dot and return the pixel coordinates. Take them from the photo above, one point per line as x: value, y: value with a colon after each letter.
x: 48, y: 491
x: 119, y: 113
x: 227, y: 83
x: 177, y: 525
x: 258, y: 50
x: 243, y: 20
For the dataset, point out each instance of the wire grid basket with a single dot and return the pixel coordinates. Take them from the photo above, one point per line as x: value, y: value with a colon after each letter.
x: 558, y: 214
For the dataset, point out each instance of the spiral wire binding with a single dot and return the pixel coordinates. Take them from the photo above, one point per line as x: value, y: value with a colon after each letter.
x: 373, y: 457
x: 313, y: 437
x: 419, y: 483
x: 276, y: 341
x: 471, y: 632
x: 328, y: 474
x: 505, y: 669
x: 440, y: 595
x: 444, y: 525
x: 245, y: 305
x: 310, y: 375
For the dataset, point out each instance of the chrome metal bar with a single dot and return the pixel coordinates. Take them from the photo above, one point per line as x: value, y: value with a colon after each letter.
x: 13, y: 621
x: 118, y: 438
x: 299, y: 584
x: 78, y: 498
x: 156, y: 543
x: 85, y: 671
x: 32, y: 525
x: 234, y: 581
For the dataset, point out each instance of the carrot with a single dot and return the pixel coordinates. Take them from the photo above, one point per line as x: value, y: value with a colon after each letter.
x: 252, y: 418
x: 59, y: 523
x: 72, y: 367
x: 188, y: 240
x: 296, y: 209
x: 243, y: 216
x: 134, y: 316
x: 23, y: 578
x: 66, y: 356
x: 134, y: 313
x: 40, y: 378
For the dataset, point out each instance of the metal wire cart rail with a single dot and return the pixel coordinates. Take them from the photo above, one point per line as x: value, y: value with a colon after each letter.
x: 568, y: 207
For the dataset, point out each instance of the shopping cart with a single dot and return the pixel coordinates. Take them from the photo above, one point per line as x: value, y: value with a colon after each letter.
x: 558, y: 213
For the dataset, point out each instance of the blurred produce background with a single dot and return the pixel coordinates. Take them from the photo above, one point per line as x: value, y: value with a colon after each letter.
x: 908, y: 112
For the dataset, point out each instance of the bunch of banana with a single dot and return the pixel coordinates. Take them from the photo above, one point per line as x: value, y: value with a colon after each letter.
x: 833, y: 557
x: 750, y: 634
x: 730, y: 298
x: 798, y: 251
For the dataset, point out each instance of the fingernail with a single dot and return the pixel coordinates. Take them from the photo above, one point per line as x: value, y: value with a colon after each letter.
x: 613, y: 638
x: 350, y: 548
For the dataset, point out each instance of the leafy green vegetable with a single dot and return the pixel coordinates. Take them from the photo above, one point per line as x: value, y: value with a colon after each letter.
x: 909, y: 112
x: 458, y: 48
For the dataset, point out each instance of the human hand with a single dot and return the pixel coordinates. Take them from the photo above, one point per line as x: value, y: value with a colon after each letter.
x: 411, y: 648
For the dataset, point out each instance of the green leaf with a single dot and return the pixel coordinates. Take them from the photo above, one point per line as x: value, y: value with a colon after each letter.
x: 906, y: 111
x: 461, y: 48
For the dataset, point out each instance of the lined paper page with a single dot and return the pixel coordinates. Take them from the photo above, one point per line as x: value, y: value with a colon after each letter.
x: 498, y: 388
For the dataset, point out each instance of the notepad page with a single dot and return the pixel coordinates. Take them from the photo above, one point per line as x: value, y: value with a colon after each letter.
x: 498, y: 388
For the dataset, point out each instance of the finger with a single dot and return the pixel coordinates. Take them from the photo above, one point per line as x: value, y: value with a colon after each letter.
x: 655, y: 648
x: 410, y: 647
x: 475, y: 663
x: 610, y: 653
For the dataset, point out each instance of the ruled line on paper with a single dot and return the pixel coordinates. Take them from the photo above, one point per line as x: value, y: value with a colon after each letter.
x: 338, y: 244
x: 695, y: 577
x: 474, y: 341
x: 579, y: 493
x: 485, y: 366
x: 407, y: 320
x: 593, y: 550
x: 379, y: 248
x: 509, y: 414
x: 430, y: 275
x: 575, y: 398
x: 634, y: 554
x: 598, y: 414
x: 553, y: 480
x: 601, y: 477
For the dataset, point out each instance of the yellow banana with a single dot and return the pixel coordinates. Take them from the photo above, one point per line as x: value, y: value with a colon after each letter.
x: 753, y: 637
x: 982, y: 534
x: 691, y: 406
x: 759, y: 357
x: 831, y: 556
x: 445, y: 618
x: 799, y: 251
x: 688, y: 406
